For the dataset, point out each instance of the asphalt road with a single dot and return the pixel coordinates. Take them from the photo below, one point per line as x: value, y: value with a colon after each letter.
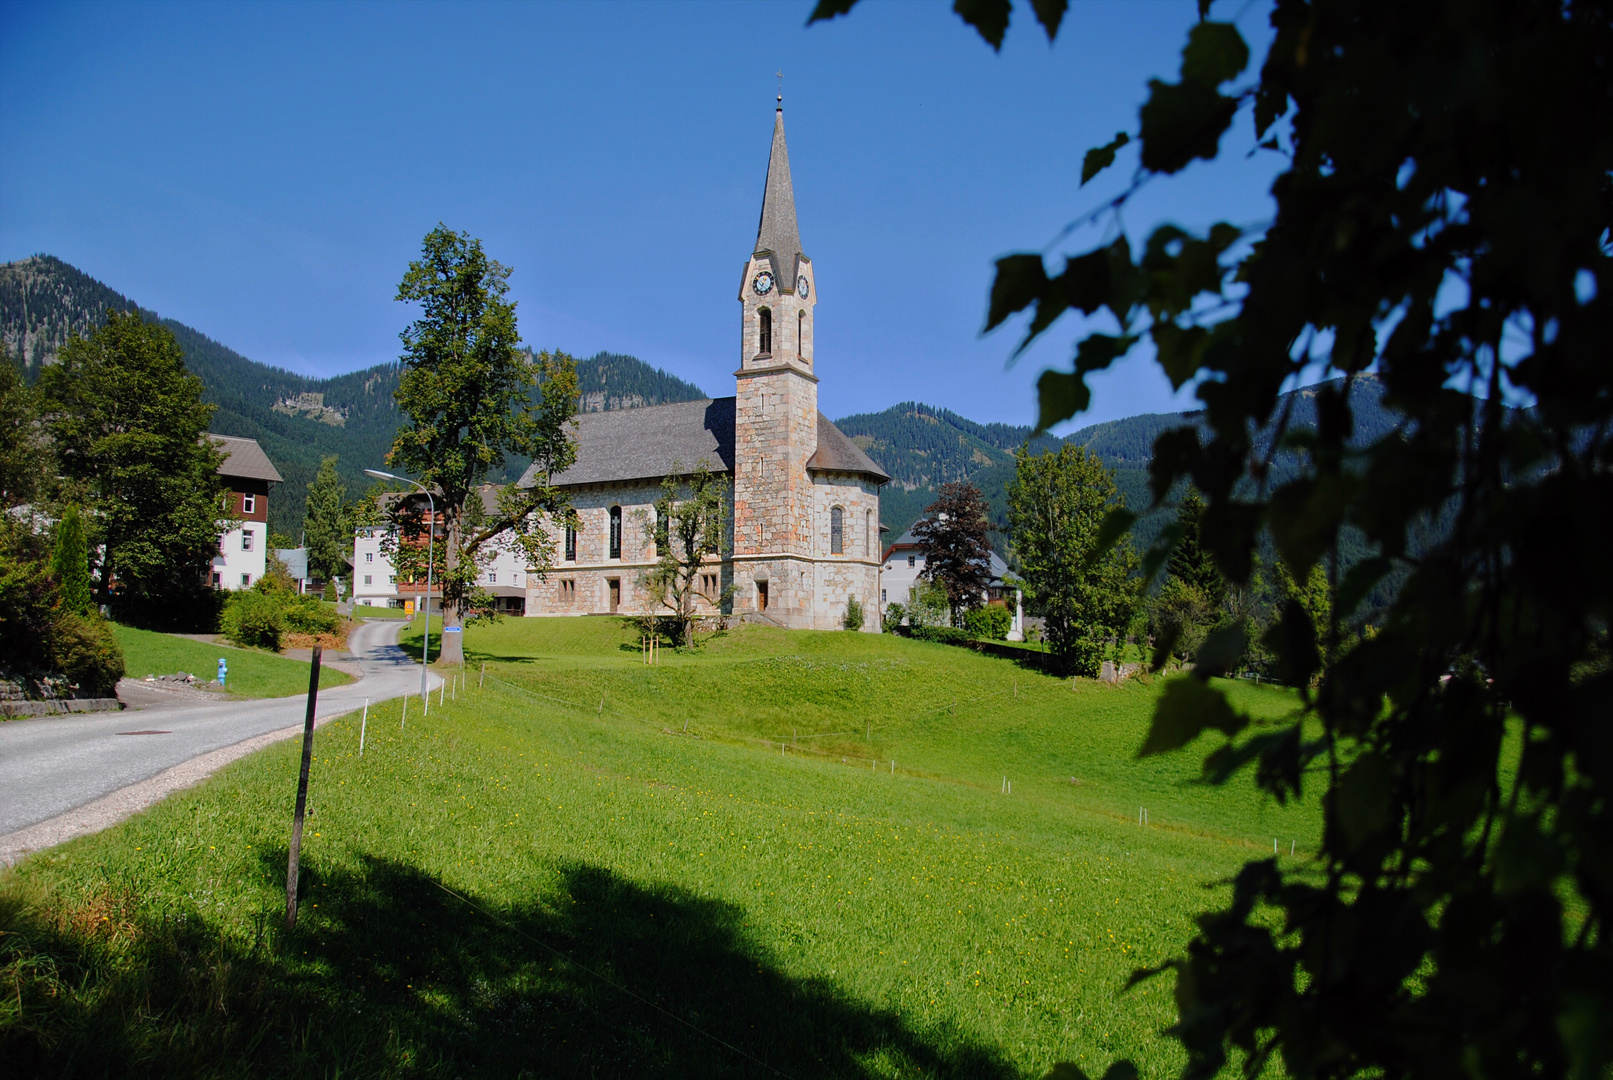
x: 51, y: 765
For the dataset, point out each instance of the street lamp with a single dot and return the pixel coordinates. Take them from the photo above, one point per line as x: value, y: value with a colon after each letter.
x: 431, y: 531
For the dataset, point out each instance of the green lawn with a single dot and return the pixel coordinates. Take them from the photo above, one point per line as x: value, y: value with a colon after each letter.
x: 252, y: 674
x: 361, y: 612
x: 548, y: 874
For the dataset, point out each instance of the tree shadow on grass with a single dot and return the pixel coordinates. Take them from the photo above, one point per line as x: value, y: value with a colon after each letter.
x: 392, y: 974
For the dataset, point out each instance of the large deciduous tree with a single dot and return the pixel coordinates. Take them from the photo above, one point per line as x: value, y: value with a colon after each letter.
x: 466, y: 392
x: 1442, y: 222
x: 953, y: 535
x: 127, y: 421
x: 24, y: 457
x: 1057, y: 503
x: 327, y: 532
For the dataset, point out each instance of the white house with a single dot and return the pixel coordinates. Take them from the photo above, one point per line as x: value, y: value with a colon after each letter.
x: 243, y: 552
x: 376, y: 584
x: 904, y: 564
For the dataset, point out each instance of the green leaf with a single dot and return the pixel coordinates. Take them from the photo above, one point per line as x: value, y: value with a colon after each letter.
x: 1060, y: 395
x: 1223, y: 648
x: 1115, y: 524
x: 1179, y: 350
x: 1359, y: 580
x: 1363, y: 798
x: 1121, y: 1070
x: 830, y: 9
x: 1100, y: 158
x: 1185, y: 709
x: 1066, y: 1070
x: 1293, y: 639
x: 1215, y: 52
x: 988, y: 17
x: 1050, y: 13
x: 1182, y: 121
x: 1020, y: 282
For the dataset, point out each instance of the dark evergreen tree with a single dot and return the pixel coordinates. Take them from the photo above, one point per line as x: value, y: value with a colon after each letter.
x: 957, y: 553
x: 327, y: 533
x: 70, y: 564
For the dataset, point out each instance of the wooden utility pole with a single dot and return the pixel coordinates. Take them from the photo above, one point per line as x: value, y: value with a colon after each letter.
x: 302, y: 794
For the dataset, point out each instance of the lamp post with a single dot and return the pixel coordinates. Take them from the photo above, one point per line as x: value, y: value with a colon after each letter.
x: 431, y: 534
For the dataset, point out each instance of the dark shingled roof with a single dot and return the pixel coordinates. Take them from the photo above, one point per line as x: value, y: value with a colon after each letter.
x: 644, y: 443
x: 836, y: 453
x: 777, y: 231
x: 245, y: 458
x: 621, y: 445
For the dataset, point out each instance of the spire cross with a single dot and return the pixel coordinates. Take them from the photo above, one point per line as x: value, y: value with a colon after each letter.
x: 780, y: 75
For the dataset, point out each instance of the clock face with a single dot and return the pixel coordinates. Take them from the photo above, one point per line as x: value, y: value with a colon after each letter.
x: 763, y: 283
x: 803, y: 287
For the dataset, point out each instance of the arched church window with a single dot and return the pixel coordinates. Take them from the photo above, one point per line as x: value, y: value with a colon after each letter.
x: 764, y: 320
x: 571, y: 544
x: 868, y: 534
x: 616, y: 532
x: 800, y: 333
x: 662, y: 527
x: 837, y: 531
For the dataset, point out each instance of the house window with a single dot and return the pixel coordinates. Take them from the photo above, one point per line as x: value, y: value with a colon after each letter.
x: 369, y: 556
x: 882, y: 596
x: 571, y: 544
x: 249, y: 504
x: 764, y: 320
x: 615, y: 533
x: 366, y: 579
x: 837, y: 531
x: 246, y: 539
x: 492, y: 577
x: 218, y: 579
x: 246, y: 580
x: 392, y: 578
x: 912, y: 560
x: 221, y: 542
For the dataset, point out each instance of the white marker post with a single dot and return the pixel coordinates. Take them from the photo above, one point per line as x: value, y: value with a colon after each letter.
x: 362, y: 724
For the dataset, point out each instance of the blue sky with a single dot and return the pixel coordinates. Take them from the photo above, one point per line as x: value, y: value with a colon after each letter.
x: 264, y: 173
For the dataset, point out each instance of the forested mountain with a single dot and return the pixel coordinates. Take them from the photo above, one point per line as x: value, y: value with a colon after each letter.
x: 298, y: 420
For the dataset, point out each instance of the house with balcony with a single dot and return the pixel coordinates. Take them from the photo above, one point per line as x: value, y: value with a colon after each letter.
x: 243, y: 551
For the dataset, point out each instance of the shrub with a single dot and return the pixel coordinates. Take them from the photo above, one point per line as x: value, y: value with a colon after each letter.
x: 254, y: 619
x: 894, y: 614
x: 927, y: 606
x: 330, y: 591
x: 85, y: 652
x: 946, y: 635
x: 854, y: 614
x: 990, y: 622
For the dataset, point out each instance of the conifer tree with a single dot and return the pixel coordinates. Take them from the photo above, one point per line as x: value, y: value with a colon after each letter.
x: 70, y: 564
x: 326, y: 531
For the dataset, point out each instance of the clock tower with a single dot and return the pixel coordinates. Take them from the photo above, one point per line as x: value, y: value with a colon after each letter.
x: 776, y: 408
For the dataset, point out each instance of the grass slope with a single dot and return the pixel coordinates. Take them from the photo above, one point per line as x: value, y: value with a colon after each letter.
x: 518, y: 883
x: 252, y: 674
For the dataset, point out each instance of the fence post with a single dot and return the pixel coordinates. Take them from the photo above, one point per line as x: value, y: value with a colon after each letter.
x: 483, y: 678
x: 302, y: 793
x: 362, y: 724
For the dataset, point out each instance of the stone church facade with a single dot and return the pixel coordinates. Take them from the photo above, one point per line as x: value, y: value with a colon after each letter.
x: 804, y: 512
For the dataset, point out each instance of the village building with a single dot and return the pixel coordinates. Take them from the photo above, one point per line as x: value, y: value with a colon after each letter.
x: 375, y: 579
x: 243, y: 551
x: 803, y: 522
x: 903, y: 565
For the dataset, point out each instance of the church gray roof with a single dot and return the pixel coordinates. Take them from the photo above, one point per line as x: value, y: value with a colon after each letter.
x: 244, y: 458
x: 777, y: 232
x: 836, y: 453
x: 621, y: 445
x: 645, y: 443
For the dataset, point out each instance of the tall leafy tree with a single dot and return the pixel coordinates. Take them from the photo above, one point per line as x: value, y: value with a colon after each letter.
x: 1443, y: 220
x: 326, y: 530
x: 24, y: 456
x: 1057, y: 503
x: 70, y: 564
x: 957, y: 550
x: 466, y: 393
x: 127, y: 422
x: 690, y: 530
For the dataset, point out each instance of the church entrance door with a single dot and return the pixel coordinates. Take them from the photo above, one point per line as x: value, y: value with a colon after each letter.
x: 615, y: 594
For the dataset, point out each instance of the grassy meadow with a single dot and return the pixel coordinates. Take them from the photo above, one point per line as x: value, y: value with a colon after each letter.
x: 589, y: 866
x: 252, y: 674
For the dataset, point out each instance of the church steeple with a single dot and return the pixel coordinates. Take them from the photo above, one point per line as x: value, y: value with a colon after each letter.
x: 777, y: 233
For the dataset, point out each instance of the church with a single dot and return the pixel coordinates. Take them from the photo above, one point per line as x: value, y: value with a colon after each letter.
x: 804, y: 514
